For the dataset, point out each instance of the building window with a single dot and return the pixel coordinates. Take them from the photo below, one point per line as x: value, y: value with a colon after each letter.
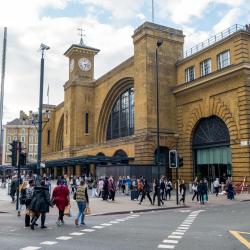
x: 86, y: 122
x: 223, y: 59
x: 15, y: 138
x: 31, y: 138
x: 23, y: 131
x: 48, y: 137
x: 9, y: 138
x: 190, y: 74
x: 35, y: 148
x: 22, y: 138
x: 121, y: 120
x: 30, y: 148
x: 206, y: 67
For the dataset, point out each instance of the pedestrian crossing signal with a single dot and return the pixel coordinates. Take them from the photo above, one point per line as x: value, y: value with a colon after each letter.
x: 173, y: 159
x: 13, y: 155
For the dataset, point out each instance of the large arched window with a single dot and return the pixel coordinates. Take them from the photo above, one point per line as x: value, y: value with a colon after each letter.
x: 121, y: 119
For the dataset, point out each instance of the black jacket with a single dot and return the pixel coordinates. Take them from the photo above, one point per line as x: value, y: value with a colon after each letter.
x: 41, y: 200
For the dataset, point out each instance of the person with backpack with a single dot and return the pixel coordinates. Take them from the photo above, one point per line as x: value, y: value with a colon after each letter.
x: 163, y: 188
x: 82, y: 199
x: 29, y: 195
x: 146, y: 191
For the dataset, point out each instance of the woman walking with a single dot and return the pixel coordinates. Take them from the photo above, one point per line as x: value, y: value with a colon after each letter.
x: 111, y: 188
x: 29, y: 195
x: 40, y: 204
x: 60, y: 198
x: 22, y: 200
x: 146, y: 191
x: 195, y: 190
x: 157, y: 192
x: 82, y: 199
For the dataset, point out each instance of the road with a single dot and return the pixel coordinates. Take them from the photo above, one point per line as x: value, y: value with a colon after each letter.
x: 203, y: 228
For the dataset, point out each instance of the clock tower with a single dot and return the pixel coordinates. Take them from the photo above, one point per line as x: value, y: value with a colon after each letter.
x: 79, y: 96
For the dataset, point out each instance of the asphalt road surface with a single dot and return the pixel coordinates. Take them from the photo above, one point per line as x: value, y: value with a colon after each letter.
x: 207, y: 227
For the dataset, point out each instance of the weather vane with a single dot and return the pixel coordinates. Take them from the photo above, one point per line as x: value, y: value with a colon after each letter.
x: 81, y: 35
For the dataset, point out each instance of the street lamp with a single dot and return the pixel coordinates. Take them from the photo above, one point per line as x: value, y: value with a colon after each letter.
x: 159, y: 43
x: 43, y: 47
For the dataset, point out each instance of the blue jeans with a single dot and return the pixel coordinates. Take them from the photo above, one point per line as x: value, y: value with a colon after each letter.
x: 81, y: 207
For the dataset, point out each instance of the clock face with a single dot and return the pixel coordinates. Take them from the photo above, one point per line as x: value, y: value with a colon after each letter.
x: 71, y: 65
x: 84, y: 64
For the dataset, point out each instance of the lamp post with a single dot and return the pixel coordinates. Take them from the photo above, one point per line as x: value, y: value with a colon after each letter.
x: 43, y: 47
x: 159, y: 43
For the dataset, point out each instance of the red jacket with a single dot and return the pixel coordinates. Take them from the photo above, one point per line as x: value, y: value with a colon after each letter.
x: 60, y: 196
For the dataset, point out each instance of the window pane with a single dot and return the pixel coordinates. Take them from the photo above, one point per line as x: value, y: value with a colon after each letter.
x: 121, y: 120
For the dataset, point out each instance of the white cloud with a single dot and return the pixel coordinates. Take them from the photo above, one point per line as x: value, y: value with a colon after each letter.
x: 119, y: 9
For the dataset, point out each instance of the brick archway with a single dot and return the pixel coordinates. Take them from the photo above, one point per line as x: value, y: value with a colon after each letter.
x: 59, y: 135
x: 217, y: 108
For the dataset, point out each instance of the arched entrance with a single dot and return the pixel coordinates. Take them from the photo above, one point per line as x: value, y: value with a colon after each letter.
x: 211, y: 148
x: 164, y: 161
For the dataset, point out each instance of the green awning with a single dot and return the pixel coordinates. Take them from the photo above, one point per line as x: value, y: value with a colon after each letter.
x: 215, y: 155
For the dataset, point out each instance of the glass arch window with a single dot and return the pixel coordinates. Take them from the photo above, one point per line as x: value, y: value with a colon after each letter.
x: 121, y: 119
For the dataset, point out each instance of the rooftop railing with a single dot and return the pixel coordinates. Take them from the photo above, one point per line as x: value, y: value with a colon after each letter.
x: 214, y: 39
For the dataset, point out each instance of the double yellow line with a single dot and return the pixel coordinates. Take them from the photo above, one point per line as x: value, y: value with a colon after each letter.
x: 240, y: 238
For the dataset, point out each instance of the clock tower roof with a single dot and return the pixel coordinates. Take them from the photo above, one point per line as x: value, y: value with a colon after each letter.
x: 80, y: 48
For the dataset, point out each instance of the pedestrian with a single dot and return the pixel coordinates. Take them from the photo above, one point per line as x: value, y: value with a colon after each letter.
x: 163, y: 188
x: 100, y: 187
x: 105, y: 189
x: 195, y: 190
x: 205, y: 190
x: 183, y: 191
x: 201, y: 191
x: 40, y: 204
x: 13, y: 188
x: 123, y: 184
x: 230, y: 189
x: 22, y: 200
x: 157, y: 192
x: 146, y: 191
x: 140, y: 188
x: 169, y: 188
x: 60, y: 197
x: 216, y: 185
x: 111, y: 188
x: 82, y: 199
x: 94, y: 187
x: 29, y: 195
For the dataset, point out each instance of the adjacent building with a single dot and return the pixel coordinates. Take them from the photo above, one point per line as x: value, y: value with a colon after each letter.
x: 24, y: 130
x: 204, y: 109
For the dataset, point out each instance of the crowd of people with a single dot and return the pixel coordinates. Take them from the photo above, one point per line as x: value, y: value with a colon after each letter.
x: 37, y: 194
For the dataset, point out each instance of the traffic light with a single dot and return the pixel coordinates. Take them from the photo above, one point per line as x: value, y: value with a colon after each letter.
x: 180, y: 161
x: 173, y: 159
x: 22, y: 159
x: 13, y: 155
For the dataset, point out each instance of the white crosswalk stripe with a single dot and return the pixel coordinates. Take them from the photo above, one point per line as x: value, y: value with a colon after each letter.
x: 64, y: 238
x: 30, y: 248
x: 49, y: 243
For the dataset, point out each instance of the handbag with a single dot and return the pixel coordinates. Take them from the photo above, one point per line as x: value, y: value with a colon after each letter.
x: 67, y: 210
x: 87, y: 211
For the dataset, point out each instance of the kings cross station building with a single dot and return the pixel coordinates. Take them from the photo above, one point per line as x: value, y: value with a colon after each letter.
x: 109, y: 125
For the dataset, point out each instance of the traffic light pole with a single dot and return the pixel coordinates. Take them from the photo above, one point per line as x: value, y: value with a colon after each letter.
x: 177, y: 186
x: 18, y: 174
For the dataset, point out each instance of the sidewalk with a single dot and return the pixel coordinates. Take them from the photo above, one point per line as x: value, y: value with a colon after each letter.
x: 123, y: 204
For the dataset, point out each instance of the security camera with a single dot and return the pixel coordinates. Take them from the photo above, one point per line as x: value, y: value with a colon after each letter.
x: 44, y: 47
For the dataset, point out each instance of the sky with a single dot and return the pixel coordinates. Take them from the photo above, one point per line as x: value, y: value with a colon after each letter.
x: 108, y: 25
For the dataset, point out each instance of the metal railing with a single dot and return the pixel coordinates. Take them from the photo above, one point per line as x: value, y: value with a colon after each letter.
x: 214, y: 39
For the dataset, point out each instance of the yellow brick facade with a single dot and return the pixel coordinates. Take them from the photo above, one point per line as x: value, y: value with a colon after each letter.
x: 223, y: 93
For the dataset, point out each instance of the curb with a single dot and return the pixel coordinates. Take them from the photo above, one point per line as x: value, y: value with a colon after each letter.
x: 245, y: 200
x: 141, y: 210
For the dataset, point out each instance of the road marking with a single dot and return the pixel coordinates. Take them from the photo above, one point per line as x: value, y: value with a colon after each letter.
x: 30, y: 248
x: 88, y: 230
x: 183, y: 228
x: 98, y: 227
x: 170, y: 241
x: 120, y: 220
x: 185, y: 211
x: 240, y: 238
x: 114, y: 222
x: 106, y: 224
x: 166, y: 246
x: 135, y: 215
x: 178, y: 233
x: 174, y: 237
x: 76, y: 234
x: 64, y: 238
x: 49, y: 243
